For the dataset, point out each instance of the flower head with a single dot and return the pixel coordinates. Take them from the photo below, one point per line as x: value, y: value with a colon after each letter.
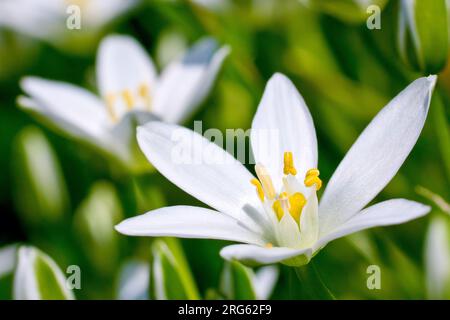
x: 131, y: 93
x: 277, y: 214
x: 47, y: 20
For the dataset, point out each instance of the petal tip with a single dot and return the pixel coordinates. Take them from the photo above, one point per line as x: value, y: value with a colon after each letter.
x: 432, y: 78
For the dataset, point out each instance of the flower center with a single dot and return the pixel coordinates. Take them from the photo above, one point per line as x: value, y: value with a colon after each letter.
x: 290, y: 200
x: 118, y: 103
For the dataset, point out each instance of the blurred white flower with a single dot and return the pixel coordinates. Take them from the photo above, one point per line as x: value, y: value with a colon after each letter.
x: 46, y: 20
x: 131, y: 93
x: 264, y: 281
x: 282, y: 221
x: 437, y: 259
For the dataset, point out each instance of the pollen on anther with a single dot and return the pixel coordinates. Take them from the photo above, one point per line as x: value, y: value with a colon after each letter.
x: 269, y: 245
x: 312, y: 178
x: 289, y: 164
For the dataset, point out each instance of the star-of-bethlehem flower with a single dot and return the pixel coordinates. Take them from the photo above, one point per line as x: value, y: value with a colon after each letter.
x: 46, y: 20
x: 131, y: 93
x: 276, y: 215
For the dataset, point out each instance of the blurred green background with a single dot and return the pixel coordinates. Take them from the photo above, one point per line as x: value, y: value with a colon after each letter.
x: 64, y: 198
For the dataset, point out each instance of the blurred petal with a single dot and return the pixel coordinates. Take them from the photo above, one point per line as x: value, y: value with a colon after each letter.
x: 437, y: 259
x: 134, y: 281
x: 281, y: 124
x: 38, y: 277
x: 264, y: 281
x: 376, y: 155
x: 70, y: 108
x: 186, y: 82
x: 123, y: 138
x: 251, y: 254
x: 123, y: 64
x: 198, y: 166
x: 390, y: 212
x: 7, y: 259
x: 187, y: 222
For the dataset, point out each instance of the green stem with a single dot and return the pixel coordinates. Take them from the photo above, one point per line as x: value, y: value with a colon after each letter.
x: 312, y: 283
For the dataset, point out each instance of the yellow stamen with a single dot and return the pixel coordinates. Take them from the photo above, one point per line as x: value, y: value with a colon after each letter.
x: 281, y: 205
x: 128, y: 98
x: 278, y: 209
x: 144, y: 92
x: 289, y: 164
x: 312, y: 178
x: 269, y: 245
x: 110, y: 100
x: 259, y: 189
x: 266, y: 181
x: 296, y: 203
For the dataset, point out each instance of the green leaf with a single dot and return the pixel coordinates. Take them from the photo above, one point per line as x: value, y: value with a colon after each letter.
x: 171, y: 277
x: 38, y: 277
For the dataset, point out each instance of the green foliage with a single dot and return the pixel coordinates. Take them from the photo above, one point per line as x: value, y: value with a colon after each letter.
x: 65, y: 197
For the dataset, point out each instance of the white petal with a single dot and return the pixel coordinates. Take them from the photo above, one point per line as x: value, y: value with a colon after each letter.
x: 27, y: 276
x: 186, y: 82
x: 309, y: 221
x: 199, y: 167
x: 7, y: 259
x: 123, y: 136
x: 283, y: 123
x: 25, y: 284
x: 251, y: 254
x: 264, y: 281
x: 288, y: 232
x: 390, y: 212
x: 437, y: 258
x: 122, y: 63
x: 99, y: 12
x: 377, y: 155
x: 72, y: 109
x: 188, y: 222
x: 134, y: 281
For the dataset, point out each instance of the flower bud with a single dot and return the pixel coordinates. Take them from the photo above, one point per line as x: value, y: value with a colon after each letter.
x: 422, y: 37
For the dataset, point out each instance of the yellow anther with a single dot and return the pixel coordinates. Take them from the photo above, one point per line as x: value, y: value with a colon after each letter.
x: 277, y: 207
x: 289, y: 164
x: 143, y: 90
x: 313, y: 172
x: 312, y: 178
x: 296, y: 203
x: 269, y: 245
x: 144, y: 93
x: 266, y: 181
x: 128, y: 98
x: 281, y: 205
x: 259, y: 189
x: 110, y: 100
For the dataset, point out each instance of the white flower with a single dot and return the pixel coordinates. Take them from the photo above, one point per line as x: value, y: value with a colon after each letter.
x: 283, y: 220
x: 46, y: 20
x: 131, y: 93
